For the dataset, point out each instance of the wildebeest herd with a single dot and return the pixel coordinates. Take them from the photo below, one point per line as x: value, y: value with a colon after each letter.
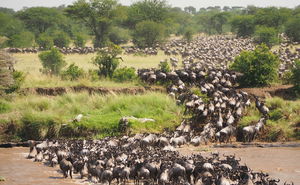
x: 146, y: 159
x: 213, y: 107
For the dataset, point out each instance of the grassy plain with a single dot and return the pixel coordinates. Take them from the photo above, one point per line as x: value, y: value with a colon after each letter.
x: 40, y: 117
x: 31, y: 65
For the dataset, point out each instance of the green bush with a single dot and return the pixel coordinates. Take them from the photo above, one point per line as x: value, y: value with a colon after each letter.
x: 4, y: 107
x: 124, y: 74
x: 276, y: 115
x: 61, y: 39
x: 73, y: 72
x: 164, y: 66
x: 19, y: 78
x: 188, y: 35
x: 267, y: 35
x: 292, y: 29
x: 119, y: 35
x: 148, y: 33
x: 21, y: 40
x: 296, y: 75
x: 52, y: 61
x: 79, y: 40
x: 45, y: 41
x: 243, y: 25
x: 107, y: 60
x: 259, y: 67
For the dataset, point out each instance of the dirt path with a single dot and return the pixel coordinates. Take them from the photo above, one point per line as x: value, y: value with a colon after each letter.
x: 282, y: 163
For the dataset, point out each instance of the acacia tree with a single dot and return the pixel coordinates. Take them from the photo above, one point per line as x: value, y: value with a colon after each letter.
x: 97, y: 15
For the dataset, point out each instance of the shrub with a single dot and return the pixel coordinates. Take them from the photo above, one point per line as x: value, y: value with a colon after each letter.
x: 61, y: 39
x: 79, y: 40
x: 45, y: 41
x: 4, y: 107
x: 296, y: 75
x: 19, y: 78
x: 188, y: 35
x: 52, y: 61
x: 73, y: 72
x: 164, y: 66
x: 124, y: 74
x: 107, y: 60
x: 148, y: 33
x: 267, y: 35
x: 259, y: 67
x: 119, y: 35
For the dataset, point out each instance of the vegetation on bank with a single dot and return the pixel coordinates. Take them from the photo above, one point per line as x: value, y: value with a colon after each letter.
x: 40, y: 117
x: 259, y: 67
x: 284, y: 122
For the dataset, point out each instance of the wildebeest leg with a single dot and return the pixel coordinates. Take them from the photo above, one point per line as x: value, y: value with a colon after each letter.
x: 71, y: 173
x: 65, y: 174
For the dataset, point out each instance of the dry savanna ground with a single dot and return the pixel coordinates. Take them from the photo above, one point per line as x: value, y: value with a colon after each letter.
x: 31, y: 65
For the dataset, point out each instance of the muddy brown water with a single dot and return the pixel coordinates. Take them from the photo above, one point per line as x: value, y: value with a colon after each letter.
x: 283, y: 163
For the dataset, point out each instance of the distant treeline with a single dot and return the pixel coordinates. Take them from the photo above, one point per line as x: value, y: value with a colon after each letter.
x: 145, y: 22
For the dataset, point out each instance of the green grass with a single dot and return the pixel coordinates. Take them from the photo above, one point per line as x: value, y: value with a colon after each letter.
x: 283, y: 122
x: 41, y: 117
x: 2, y: 179
x: 30, y: 65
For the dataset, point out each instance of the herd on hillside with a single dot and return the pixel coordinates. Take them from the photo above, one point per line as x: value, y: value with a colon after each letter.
x: 213, y: 107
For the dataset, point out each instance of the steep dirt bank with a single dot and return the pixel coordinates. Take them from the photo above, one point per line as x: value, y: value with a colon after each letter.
x: 55, y: 91
x: 283, y: 91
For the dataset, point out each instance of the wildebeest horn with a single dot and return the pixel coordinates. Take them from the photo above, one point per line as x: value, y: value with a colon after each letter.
x: 239, y: 159
x: 277, y: 180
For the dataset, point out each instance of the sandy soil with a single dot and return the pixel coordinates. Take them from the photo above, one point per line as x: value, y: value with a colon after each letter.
x: 283, y: 163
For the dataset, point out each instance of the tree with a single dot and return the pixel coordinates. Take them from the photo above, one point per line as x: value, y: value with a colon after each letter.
x: 21, y: 40
x: 292, y: 29
x: 190, y: 9
x: 45, y: 41
x: 10, y: 26
x: 259, y: 67
x: 119, y: 35
x: 97, y: 15
x: 40, y: 19
x: 107, y: 60
x: 243, y: 25
x: 271, y: 16
x: 296, y: 75
x: 52, y: 61
x: 148, y: 33
x: 267, y: 35
x: 188, y: 35
x: 147, y: 10
x: 61, y: 39
x: 218, y: 20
